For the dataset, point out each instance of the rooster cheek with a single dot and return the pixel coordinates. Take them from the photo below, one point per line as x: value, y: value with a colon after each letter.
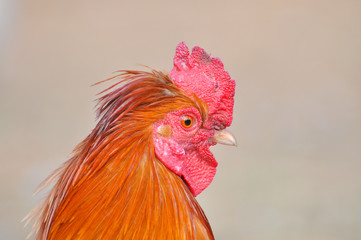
x: 170, y: 153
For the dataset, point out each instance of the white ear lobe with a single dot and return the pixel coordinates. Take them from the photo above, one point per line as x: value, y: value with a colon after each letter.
x: 170, y: 153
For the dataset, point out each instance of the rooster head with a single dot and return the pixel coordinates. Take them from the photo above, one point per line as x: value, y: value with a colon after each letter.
x: 182, y: 139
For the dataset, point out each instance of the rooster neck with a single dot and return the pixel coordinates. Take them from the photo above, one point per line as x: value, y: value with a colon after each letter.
x: 132, y: 198
x: 114, y: 187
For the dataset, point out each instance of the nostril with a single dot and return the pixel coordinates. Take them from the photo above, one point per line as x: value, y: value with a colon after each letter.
x: 216, y: 127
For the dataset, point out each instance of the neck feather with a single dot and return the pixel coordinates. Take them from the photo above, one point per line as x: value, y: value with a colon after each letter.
x: 114, y: 187
x: 135, y: 197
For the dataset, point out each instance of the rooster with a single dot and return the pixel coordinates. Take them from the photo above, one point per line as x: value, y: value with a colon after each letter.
x: 138, y: 172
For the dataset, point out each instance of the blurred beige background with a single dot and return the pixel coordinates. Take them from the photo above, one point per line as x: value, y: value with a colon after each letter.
x: 296, y: 173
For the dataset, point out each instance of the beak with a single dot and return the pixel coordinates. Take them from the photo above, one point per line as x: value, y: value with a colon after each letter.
x: 224, y: 137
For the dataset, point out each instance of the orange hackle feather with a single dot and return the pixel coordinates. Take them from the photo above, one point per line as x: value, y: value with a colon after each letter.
x: 114, y: 187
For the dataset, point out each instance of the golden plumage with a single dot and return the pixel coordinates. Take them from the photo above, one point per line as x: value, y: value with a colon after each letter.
x: 114, y: 187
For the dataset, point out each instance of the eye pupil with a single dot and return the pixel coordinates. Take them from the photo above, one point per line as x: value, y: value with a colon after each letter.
x: 187, y: 122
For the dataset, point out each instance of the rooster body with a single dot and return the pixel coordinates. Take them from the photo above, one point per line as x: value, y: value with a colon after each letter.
x: 138, y: 172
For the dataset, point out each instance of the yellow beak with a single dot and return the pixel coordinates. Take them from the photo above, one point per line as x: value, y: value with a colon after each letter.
x: 224, y: 137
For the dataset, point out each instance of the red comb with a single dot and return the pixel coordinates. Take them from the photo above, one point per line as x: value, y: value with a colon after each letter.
x: 204, y: 76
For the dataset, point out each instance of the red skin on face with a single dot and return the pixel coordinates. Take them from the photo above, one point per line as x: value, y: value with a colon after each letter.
x: 187, y: 151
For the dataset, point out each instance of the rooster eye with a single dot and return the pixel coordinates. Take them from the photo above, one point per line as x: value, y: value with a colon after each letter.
x: 187, y: 121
